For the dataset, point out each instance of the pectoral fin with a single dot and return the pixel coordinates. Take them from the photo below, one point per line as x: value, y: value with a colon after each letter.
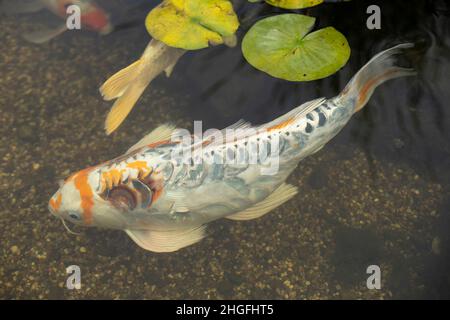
x: 166, y: 241
x: 282, y: 194
x: 116, y: 85
x: 45, y: 35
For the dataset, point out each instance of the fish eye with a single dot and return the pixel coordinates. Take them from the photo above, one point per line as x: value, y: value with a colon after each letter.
x: 74, y: 215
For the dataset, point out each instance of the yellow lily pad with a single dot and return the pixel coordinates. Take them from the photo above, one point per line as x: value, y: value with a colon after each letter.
x: 192, y: 24
x: 292, y: 4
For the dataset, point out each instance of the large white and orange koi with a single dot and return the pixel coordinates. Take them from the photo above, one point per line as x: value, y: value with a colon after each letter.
x: 164, y: 202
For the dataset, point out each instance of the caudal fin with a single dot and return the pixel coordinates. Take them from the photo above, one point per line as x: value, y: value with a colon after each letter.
x: 123, y: 106
x: 115, y: 86
x: 381, y: 68
x: 128, y: 85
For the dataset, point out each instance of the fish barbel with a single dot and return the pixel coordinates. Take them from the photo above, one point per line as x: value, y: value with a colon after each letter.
x: 164, y: 190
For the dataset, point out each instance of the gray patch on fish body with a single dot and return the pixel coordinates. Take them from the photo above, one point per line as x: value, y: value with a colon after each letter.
x: 213, y: 190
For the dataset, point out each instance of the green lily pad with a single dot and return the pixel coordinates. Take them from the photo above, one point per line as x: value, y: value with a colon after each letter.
x: 193, y: 24
x: 292, y: 4
x: 281, y: 46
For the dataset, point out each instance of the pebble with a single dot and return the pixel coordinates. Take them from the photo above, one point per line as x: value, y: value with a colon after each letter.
x: 436, y: 246
x: 83, y: 250
x: 15, y: 250
x: 27, y: 133
x: 225, y: 288
x: 318, y: 179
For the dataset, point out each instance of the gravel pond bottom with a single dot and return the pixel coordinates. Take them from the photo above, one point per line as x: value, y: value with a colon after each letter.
x: 352, y: 210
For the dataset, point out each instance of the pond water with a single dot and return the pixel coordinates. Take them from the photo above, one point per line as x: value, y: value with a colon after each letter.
x: 377, y: 194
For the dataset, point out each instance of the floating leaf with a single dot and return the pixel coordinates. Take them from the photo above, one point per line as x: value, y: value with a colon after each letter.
x: 281, y: 46
x: 292, y: 4
x: 193, y: 24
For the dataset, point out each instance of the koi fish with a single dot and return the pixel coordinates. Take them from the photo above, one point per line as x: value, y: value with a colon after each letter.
x: 164, y: 202
x: 93, y: 17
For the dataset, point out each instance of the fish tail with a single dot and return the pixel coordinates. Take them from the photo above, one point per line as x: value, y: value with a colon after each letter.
x: 381, y: 68
x: 123, y: 106
x: 116, y: 85
x: 128, y: 85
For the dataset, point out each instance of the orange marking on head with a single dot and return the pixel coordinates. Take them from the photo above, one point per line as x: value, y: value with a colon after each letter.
x: 107, y: 179
x: 116, y: 176
x: 56, y: 204
x: 140, y: 165
x: 86, y: 194
x: 281, y: 125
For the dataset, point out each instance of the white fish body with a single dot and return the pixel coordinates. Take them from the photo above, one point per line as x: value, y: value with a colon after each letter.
x: 163, y: 196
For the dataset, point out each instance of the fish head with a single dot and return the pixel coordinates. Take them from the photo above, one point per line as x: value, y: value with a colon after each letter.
x: 93, y: 16
x: 79, y: 202
x: 112, y: 195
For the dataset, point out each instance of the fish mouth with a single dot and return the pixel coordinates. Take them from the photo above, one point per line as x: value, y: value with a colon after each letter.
x: 54, y: 204
x: 52, y: 210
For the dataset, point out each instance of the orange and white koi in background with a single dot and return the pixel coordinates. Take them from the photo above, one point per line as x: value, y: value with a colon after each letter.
x: 93, y: 17
x: 164, y: 203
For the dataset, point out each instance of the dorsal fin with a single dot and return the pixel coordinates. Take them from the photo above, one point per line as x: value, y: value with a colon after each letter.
x: 294, y: 114
x: 161, y: 133
x: 282, y: 194
x: 245, y: 129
